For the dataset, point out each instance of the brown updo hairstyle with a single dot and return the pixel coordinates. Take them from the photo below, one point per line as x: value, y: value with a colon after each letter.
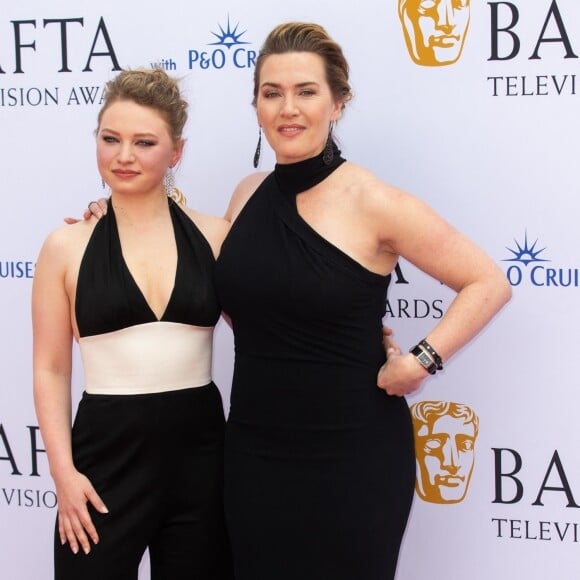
x: 152, y: 88
x: 307, y: 37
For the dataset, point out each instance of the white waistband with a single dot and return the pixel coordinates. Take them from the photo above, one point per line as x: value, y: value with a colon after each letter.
x: 147, y: 358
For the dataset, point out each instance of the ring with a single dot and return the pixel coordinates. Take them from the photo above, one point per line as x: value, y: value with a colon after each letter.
x: 89, y: 206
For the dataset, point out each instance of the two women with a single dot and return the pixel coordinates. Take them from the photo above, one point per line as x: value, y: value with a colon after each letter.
x: 319, y: 462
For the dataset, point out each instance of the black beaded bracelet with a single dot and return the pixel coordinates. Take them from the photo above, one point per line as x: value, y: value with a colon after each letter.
x: 436, y: 358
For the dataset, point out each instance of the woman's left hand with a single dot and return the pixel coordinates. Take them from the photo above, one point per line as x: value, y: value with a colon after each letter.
x: 401, y: 375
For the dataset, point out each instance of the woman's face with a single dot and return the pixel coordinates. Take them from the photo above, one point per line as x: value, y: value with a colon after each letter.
x: 134, y: 148
x: 295, y: 105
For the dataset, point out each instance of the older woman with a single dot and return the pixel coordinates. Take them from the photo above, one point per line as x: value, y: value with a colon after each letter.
x: 319, y: 461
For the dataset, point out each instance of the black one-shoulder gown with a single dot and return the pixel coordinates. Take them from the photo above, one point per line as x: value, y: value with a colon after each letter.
x: 319, y: 465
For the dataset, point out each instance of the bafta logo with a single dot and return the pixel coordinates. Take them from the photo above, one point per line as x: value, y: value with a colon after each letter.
x: 434, y: 30
x: 445, y: 435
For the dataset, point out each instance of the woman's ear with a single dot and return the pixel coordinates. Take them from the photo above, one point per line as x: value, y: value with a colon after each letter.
x: 177, y: 153
x: 337, y: 111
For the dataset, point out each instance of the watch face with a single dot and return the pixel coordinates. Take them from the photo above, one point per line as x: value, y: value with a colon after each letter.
x: 424, y: 359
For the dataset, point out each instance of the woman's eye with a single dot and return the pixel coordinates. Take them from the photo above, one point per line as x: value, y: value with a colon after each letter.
x: 109, y: 139
x: 145, y: 143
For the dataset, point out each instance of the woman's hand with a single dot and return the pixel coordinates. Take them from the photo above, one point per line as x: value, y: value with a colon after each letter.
x: 95, y: 208
x: 75, y: 525
x: 401, y: 375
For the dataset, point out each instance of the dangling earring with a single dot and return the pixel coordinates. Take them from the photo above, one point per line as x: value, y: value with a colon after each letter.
x: 103, y: 183
x: 328, y: 154
x: 169, y: 183
x: 258, y: 150
x: 169, y: 186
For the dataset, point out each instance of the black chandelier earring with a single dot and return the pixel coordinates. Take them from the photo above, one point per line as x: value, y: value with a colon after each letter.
x: 258, y: 150
x: 328, y: 154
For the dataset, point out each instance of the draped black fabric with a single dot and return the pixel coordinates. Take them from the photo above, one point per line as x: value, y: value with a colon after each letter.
x: 319, y: 460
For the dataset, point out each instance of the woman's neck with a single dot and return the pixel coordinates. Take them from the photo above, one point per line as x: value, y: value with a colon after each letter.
x: 293, y: 178
x: 141, y: 210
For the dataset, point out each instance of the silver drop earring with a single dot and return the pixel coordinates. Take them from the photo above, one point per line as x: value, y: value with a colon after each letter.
x: 169, y: 183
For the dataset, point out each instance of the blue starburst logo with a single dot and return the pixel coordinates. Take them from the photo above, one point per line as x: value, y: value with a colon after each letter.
x: 228, y: 37
x: 526, y: 253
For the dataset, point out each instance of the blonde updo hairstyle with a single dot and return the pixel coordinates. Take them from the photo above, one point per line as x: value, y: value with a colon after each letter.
x: 308, y: 37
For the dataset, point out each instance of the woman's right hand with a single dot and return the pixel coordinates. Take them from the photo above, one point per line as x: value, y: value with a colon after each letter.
x: 95, y: 208
x: 75, y: 525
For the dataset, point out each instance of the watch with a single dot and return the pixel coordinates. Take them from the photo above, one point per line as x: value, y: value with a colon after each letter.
x: 424, y: 359
x: 434, y: 354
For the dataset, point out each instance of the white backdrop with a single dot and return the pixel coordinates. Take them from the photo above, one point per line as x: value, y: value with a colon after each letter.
x: 489, y: 141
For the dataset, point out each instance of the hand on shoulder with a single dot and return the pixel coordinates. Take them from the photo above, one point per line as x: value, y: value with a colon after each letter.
x: 96, y: 208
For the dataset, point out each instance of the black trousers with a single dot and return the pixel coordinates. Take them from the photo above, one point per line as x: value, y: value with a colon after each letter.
x: 156, y: 460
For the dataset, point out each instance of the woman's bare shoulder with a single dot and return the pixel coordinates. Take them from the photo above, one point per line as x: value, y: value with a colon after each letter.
x: 367, y: 185
x: 213, y: 228
x: 70, y: 236
x: 62, y: 249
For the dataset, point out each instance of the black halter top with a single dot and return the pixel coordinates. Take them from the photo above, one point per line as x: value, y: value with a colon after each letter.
x: 108, y: 298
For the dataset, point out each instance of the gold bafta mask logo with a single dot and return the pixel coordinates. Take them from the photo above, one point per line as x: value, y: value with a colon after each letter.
x: 434, y: 30
x: 445, y: 435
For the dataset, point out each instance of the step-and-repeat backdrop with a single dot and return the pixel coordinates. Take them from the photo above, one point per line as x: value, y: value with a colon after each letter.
x: 472, y: 106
